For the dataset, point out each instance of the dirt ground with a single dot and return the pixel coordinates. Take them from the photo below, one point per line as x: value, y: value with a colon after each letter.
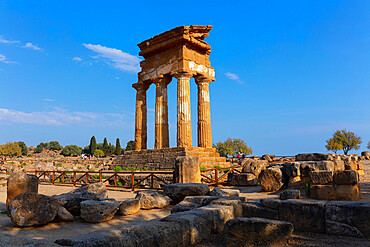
x: 53, y: 230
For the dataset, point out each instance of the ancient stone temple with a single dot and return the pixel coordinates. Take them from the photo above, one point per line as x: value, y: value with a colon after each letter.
x: 183, y: 54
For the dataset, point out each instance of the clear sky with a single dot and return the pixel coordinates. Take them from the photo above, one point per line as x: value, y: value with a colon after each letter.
x: 288, y: 73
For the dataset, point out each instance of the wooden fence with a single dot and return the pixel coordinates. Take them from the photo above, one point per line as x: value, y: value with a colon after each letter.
x: 218, y: 175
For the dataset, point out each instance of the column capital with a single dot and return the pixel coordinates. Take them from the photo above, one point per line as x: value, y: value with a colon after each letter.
x: 200, y: 80
x: 179, y: 75
x: 163, y: 79
x: 141, y: 86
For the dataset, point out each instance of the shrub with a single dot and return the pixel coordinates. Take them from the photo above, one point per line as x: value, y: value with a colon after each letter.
x: 10, y: 149
x: 72, y: 150
x: 117, y: 169
x: 99, y: 153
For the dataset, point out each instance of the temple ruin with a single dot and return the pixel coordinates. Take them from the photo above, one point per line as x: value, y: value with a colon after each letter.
x: 183, y: 54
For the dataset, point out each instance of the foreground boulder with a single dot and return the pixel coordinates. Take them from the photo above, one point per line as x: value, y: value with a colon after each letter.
x: 177, y: 192
x: 98, y: 211
x: 257, y: 232
x: 20, y: 182
x: 152, y: 199
x: 128, y: 207
x: 253, y: 166
x: 32, y: 209
x: 224, y: 192
x: 72, y: 200
x: 272, y: 178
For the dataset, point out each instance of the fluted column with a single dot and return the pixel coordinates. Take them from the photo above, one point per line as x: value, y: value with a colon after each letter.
x: 204, y: 113
x: 162, y: 139
x: 183, y: 110
x: 141, y: 116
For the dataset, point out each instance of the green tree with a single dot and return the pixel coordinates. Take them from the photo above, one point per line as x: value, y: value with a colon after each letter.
x: 99, y: 153
x: 92, y: 146
x: 231, y: 147
x: 72, y: 150
x: 347, y: 139
x: 332, y: 145
x: 24, y: 148
x: 41, y: 147
x: 118, y: 149
x: 55, y: 146
x: 130, y: 145
x: 10, y: 149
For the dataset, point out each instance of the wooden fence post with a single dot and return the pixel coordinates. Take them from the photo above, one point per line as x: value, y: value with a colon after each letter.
x: 132, y: 180
x: 216, y: 174
x: 53, y: 177
x: 100, y: 177
x: 74, y: 178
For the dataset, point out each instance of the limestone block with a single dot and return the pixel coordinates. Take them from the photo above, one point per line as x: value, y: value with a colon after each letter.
x: 224, y: 192
x: 346, y: 177
x: 128, y: 207
x: 298, y: 182
x: 63, y: 214
x: 355, y: 214
x: 152, y: 199
x: 185, y: 206
x: 20, y: 182
x: 32, y: 209
x: 257, y: 210
x: 266, y: 157
x: 213, y: 198
x: 293, y: 169
x: 339, y: 165
x: 18, y: 241
x: 321, y: 177
x: 365, y: 153
x: 347, y: 192
x: 360, y: 165
x: 98, y: 211
x: 187, y: 170
x: 177, y: 192
x: 341, y: 229
x: 253, y: 166
x: 257, y: 232
x: 271, y: 203
x: 221, y: 214
x: 242, y: 179
x: 323, y: 192
x: 272, y: 178
x: 309, y: 166
x: 237, y: 205
x: 305, y: 215
x: 290, y: 194
x: 313, y: 157
x: 350, y: 165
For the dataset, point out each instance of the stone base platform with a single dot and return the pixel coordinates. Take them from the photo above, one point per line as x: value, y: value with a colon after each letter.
x: 165, y: 158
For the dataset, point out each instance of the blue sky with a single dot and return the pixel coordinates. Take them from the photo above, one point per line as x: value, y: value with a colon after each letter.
x: 288, y: 73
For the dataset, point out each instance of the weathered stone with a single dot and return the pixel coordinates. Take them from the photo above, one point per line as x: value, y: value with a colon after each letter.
x: 198, y: 199
x: 313, y: 157
x: 242, y: 179
x: 128, y: 207
x: 98, y: 211
x: 339, y: 165
x: 177, y: 192
x: 185, y: 206
x: 350, y: 165
x: 360, y: 165
x: 290, y: 194
x: 321, y: 177
x: 266, y: 157
x: 347, y: 192
x: 365, y: 153
x: 152, y: 199
x: 187, y: 170
x: 271, y: 203
x: 257, y: 210
x: 272, y: 178
x: 19, y: 183
x: 346, y: 177
x: 63, y: 214
x: 298, y: 182
x: 257, y: 232
x: 72, y: 200
x: 221, y: 214
x: 31, y: 209
x: 341, y: 229
x: 253, y: 166
x: 224, y: 192
x: 305, y: 215
x: 210, y: 199
x: 355, y: 214
x: 8, y: 241
x: 323, y: 192
x: 293, y: 169
x: 309, y: 166
x: 237, y: 204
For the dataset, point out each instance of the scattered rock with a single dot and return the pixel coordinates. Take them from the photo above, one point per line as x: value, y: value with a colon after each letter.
x: 152, y: 199
x: 313, y: 157
x: 257, y: 232
x: 63, y: 214
x: 224, y: 192
x: 253, y: 166
x: 128, y: 207
x: 272, y: 178
x: 19, y: 183
x: 32, y: 209
x: 266, y: 157
x: 98, y: 211
x: 177, y: 192
x: 365, y: 153
x: 242, y: 179
x: 290, y: 194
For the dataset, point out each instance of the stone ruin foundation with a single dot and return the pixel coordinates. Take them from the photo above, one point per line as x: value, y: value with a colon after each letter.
x: 181, y: 53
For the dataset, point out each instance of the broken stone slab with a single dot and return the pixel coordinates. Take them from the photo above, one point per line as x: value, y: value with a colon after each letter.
x: 152, y: 199
x: 341, y: 229
x: 19, y: 183
x: 242, y: 179
x: 305, y: 215
x: 237, y: 204
x: 339, y: 165
x: 272, y: 203
x: 321, y: 177
x: 32, y: 209
x: 98, y: 211
x: 177, y: 192
x: 266, y: 157
x: 293, y: 169
x: 185, y: 206
x: 309, y: 166
x: 257, y: 232
x: 128, y: 207
x: 272, y: 178
x: 257, y: 210
x: 313, y: 157
x: 224, y: 192
x: 72, y: 200
x: 346, y: 177
x: 323, y: 192
x: 221, y: 214
x: 63, y: 214
x: 253, y: 166
x: 290, y: 194
x: 347, y: 192
x: 355, y: 214
x: 210, y: 199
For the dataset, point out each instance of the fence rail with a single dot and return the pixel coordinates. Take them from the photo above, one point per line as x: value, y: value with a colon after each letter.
x: 123, y: 179
x: 218, y: 175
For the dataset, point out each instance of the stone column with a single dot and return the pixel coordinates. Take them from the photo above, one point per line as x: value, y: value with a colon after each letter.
x: 204, y: 113
x: 162, y: 139
x: 183, y: 110
x: 141, y: 116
